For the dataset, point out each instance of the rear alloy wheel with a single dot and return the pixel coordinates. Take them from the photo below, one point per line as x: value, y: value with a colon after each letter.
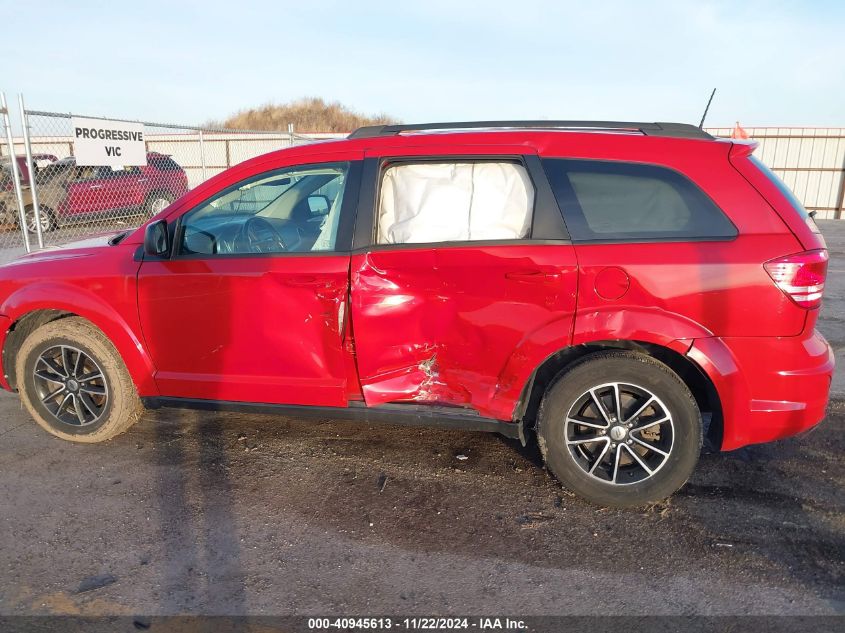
x: 158, y: 202
x: 614, y: 445
x: 48, y: 220
x: 620, y: 429
x: 74, y: 383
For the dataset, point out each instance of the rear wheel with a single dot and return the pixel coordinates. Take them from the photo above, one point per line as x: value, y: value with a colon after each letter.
x: 620, y: 429
x: 157, y: 202
x: 46, y: 217
x: 73, y: 382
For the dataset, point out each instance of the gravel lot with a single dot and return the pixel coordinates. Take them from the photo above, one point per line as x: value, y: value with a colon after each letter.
x: 228, y: 514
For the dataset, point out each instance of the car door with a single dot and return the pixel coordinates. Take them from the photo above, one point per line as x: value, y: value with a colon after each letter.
x: 87, y: 191
x: 441, y: 314
x: 122, y: 189
x: 247, y: 311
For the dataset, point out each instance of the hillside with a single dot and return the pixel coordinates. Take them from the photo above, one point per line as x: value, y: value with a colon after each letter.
x: 310, y: 114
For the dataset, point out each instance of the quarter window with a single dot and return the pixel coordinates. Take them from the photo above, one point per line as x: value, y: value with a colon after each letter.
x: 619, y: 201
x: 454, y: 201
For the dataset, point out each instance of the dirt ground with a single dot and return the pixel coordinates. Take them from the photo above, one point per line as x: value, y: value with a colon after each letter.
x: 228, y: 514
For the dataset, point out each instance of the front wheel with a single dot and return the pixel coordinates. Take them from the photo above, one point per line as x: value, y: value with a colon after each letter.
x: 620, y: 429
x: 74, y: 384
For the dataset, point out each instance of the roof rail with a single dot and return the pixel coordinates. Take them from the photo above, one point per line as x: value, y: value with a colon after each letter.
x: 671, y: 130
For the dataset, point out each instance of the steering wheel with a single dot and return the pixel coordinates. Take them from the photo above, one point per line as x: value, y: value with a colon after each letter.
x: 260, y: 236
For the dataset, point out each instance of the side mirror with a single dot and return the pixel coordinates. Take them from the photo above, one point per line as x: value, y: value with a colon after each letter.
x: 318, y: 205
x: 157, y: 239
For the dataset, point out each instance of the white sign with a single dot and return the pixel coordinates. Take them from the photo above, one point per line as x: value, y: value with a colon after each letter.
x: 109, y: 143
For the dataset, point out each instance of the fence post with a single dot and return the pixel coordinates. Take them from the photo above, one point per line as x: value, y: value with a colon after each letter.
x: 31, y: 168
x: 290, y: 133
x: 202, y: 156
x: 16, y: 177
x: 840, y: 198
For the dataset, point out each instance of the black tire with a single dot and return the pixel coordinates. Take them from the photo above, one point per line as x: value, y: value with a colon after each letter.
x: 48, y: 219
x: 108, y: 414
x: 156, y: 202
x: 569, y: 418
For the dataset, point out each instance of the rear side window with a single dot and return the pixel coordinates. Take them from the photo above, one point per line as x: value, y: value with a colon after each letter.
x: 629, y: 201
x: 454, y: 202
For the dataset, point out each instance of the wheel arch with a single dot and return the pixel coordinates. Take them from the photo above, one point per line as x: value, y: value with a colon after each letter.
x: 19, y: 331
x: 158, y: 190
x: 35, y: 306
x: 693, y: 376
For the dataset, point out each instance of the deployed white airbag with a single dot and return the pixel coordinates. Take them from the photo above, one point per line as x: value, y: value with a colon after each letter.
x: 443, y: 202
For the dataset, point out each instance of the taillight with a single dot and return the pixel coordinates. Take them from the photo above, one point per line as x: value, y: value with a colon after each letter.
x: 801, y: 276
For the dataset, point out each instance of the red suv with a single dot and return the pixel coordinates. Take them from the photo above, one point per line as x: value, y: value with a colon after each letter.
x: 68, y: 193
x: 618, y: 291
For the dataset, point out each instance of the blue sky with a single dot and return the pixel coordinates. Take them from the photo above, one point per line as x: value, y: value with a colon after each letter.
x: 774, y: 63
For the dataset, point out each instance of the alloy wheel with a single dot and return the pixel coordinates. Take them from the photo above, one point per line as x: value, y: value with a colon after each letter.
x: 71, y: 385
x: 158, y: 205
x: 31, y: 224
x: 619, y: 433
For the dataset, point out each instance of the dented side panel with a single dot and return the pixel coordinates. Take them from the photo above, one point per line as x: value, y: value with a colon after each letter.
x: 252, y: 329
x: 440, y: 325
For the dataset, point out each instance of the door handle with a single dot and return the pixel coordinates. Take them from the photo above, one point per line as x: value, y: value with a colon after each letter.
x: 140, y: 180
x: 95, y: 186
x: 536, y: 276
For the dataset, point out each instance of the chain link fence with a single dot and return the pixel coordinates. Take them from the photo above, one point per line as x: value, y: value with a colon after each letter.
x: 63, y: 201
x: 58, y: 201
x: 12, y: 186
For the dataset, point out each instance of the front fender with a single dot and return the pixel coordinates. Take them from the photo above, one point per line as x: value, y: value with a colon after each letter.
x: 118, y: 322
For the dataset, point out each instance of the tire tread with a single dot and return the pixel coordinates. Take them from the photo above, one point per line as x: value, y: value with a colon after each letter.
x: 126, y: 405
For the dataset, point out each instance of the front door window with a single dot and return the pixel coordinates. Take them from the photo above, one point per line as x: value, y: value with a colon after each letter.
x: 292, y: 210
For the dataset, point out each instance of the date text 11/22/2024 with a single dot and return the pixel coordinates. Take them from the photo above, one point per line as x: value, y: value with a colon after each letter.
x: 418, y: 624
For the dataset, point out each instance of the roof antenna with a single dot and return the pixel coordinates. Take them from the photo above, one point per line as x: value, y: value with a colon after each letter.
x: 704, y: 116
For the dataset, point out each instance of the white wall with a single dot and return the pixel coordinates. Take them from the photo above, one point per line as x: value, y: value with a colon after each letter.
x: 811, y: 161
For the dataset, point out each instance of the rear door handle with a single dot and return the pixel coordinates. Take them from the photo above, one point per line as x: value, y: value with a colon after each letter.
x: 95, y: 187
x: 536, y: 276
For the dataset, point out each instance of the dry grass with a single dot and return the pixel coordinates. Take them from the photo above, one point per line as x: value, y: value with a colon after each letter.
x: 310, y: 114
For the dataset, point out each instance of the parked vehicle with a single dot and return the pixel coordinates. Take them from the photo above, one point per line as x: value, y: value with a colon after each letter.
x: 69, y: 193
x: 49, y: 198
x: 617, y: 292
x: 39, y: 161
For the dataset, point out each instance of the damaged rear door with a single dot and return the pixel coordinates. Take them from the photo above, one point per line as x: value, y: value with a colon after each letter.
x: 460, y: 255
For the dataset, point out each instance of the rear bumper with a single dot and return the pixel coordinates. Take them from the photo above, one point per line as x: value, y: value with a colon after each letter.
x: 5, y: 324
x: 770, y: 388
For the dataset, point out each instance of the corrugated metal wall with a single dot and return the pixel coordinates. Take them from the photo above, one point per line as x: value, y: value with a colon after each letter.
x: 810, y: 160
